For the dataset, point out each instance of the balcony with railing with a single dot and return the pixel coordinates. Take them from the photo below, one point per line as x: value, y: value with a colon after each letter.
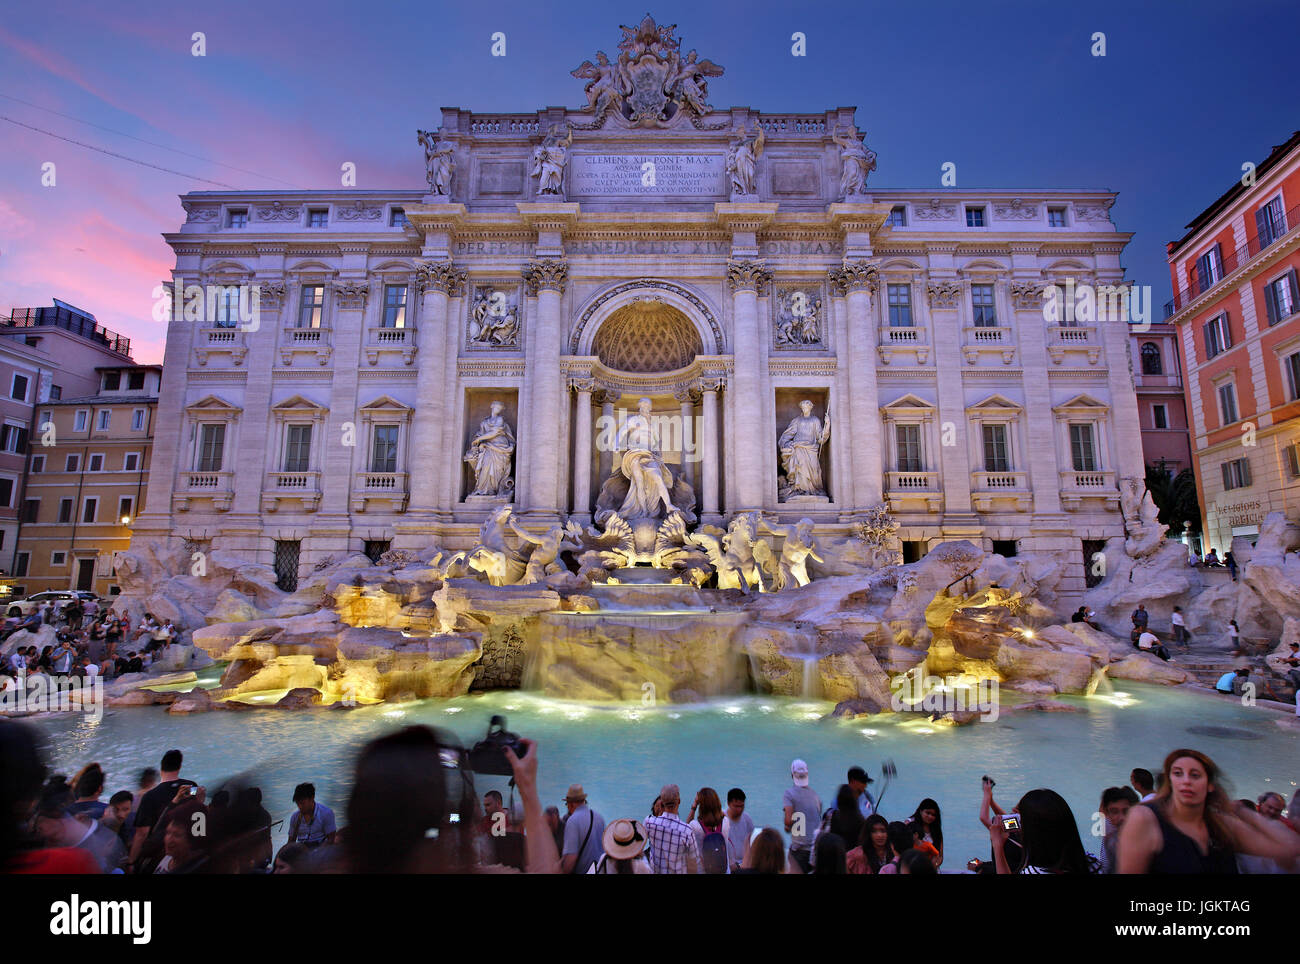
x: 67, y: 320
x: 311, y: 341
x: 913, y: 490
x: 903, y: 340
x: 388, y: 487
x: 1256, y: 244
x: 1077, y: 486
x: 978, y: 339
x: 221, y: 341
x: 301, y: 486
x: 992, y: 491
x: 397, y: 340
x: 1062, y: 339
x: 218, y: 487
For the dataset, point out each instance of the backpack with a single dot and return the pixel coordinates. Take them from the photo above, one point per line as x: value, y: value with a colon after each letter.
x: 713, y: 851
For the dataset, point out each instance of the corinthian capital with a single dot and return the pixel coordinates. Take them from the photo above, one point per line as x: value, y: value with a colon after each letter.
x: 546, y: 274
x: 752, y: 275
x: 443, y: 275
x: 351, y: 294
x: 855, y: 276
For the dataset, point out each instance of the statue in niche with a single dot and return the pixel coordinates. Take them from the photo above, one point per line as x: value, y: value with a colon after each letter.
x: 438, y: 163
x: 643, y: 466
x: 494, y: 320
x: 742, y: 160
x: 856, y: 162
x: 798, y: 548
x: 489, y: 455
x: 549, y: 160
x: 801, y: 445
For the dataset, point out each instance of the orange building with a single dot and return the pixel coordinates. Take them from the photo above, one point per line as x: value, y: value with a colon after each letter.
x: 1237, y: 311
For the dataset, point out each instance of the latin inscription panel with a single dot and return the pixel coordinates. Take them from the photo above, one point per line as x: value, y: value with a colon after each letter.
x: 640, y: 175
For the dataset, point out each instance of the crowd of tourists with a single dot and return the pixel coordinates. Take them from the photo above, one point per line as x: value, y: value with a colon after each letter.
x: 89, y: 640
x: 413, y: 809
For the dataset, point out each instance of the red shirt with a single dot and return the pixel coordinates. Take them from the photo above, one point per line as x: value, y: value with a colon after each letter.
x: 57, y: 860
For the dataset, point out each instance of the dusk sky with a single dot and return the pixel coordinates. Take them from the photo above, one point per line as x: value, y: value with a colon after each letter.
x: 1008, y: 91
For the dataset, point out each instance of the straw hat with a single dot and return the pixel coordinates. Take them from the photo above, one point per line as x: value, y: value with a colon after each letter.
x: 576, y: 794
x: 624, y: 839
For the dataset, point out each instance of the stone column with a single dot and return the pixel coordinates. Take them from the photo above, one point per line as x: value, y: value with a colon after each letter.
x: 438, y: 280
x: 688, y: 396
x: 606, y: 397
x: 582, y: 452
x: 746, y: 279
x: 546, y: 278
x: 858, y: 280
x: 710, y: 451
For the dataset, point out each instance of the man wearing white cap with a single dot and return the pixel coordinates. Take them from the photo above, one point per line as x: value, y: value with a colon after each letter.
x: 803, y: 811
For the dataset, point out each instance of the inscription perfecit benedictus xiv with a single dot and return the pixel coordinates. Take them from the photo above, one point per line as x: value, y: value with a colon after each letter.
x: 646, y: 174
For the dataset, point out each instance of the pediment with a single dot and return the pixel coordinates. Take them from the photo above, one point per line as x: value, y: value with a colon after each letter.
x: 995, y: 401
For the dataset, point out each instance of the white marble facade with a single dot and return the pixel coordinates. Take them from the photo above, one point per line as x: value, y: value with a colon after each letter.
x: 629, y: 281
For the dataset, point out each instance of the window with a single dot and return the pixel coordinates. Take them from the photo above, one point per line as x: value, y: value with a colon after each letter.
x: 1228, y: 403
x: 112, y: 381
x: 130, y: 461
x: 18, y: 388
x: 56, y: 393
x: 135, y: 381
x: 20, y: 565
x: 13, y: 438
x: 1209, y: 269
x: 383, y: 455
x: 981, y: 299
x: 1056, y: 217
x: 1291, y: 456
x: 908, y: 440
x: 287, y: 553
x: 375, y: 548
x: 1236, y: 474
x: 1291, y: 365
x: 1006, y: 548
x: 1082, y: 451
x: 227, y: 307
x: 1160, y: 416
x: 58, y: 558
x: 913, y: 550
x: 317, y: 217
x: 311, y: 306
x: 237, y: 218
x: 1093, y: 574
x: 137, y: 420
x: 394, y: 306
x: 1151, y: 363
x: 65, y: 510
x: 996, y: 456
x: 1270, y: 222
x: 38, y: 463
x: 897, y: 216
x: 72, y: 463
x: 297, y: 448
x: 1216, y: 336
x: 80, y: 420
x: 31, y: 509
x: 90, y: 508
x: 900, y: 306
x: 397, y: 218
x: 1281, y: 297
x: 47, y: 419
x: 974, y: 217
x: 212, y: 443
x: 125, y: 505
x: 6, y: 493
x: 105, y: 418
x: 96, y: 463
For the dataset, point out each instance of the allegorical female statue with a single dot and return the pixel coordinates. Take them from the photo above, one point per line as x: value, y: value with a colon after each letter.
x: 438, y: 163
x: 801, y: 445
x: 489, y: 455
x: 742, y: 160
x: 856, y: 162
x: 549, y: 160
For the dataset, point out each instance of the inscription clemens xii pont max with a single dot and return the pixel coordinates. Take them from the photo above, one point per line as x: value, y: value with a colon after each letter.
x: 641, y: 174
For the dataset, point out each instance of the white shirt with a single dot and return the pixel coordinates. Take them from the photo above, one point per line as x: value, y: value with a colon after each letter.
x: 1148, y: 640
x: 1177, y: 619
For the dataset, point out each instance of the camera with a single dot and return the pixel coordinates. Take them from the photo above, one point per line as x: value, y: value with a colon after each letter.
x: 488, y: 755
x: 1010, y: 822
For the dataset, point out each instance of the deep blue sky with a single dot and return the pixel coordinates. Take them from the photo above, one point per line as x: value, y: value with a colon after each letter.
x: 1008, y: 91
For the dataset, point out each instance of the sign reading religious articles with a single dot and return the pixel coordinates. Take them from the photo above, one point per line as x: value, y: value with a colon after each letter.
x: 798, y: 318
x: 651, y: 82
x: 642, y: 174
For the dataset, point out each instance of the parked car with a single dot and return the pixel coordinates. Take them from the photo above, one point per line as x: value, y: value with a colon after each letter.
x: 59, y: 597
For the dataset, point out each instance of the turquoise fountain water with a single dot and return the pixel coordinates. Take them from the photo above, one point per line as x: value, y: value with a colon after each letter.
x: 622, y: 753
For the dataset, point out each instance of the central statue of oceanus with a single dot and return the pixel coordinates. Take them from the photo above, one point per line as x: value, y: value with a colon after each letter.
x: 642, y: 487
